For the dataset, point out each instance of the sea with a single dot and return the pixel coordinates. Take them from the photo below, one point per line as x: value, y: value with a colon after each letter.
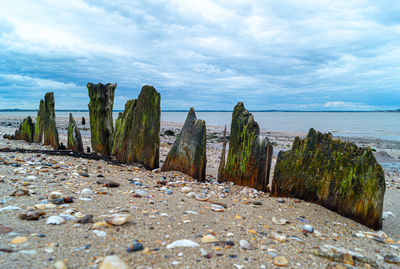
x: 383, y: 125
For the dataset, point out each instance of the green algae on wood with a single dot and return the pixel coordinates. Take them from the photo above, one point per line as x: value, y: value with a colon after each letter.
x: 222, y: 160
x: 337, y: 175
x: 25, y: 131
x: 249, y: 155
x: 100, y: 114
x: 188, y: 153
x: 74, y: 137
x: 137, y: 130
x: 46, y: 129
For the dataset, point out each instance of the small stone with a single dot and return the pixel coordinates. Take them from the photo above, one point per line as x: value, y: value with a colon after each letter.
x: 280, y: 261
x: 186, y: 189
x: 9, y: 208
x: 31, y: 215
x: 68, y: 200
x: 60, y: 265
x: 209, y: 238
x: 86, y: 219
x: 19, y: 240
x: 307, y: 228
x: 113, y: 262
x: 55, y: 220
x: 135, y: 246
x: 245, y: 244
x: 183, y: 243
x: 117, y: 219
x: 41, y: 235
x: 20, y: 192
x: 87, y: 192
x: 281, y: 201
x: 392, y: 259
x: 108, y: 183
x: 84, y: 174
x: 168, y: 192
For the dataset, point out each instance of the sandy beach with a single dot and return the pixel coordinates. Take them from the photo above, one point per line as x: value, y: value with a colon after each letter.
x: 161, y: 212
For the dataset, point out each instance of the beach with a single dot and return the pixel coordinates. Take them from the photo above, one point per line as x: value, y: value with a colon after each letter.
x: 161, y: 212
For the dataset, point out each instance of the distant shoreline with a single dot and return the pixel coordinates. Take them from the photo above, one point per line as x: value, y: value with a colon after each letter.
x: 182, y: 110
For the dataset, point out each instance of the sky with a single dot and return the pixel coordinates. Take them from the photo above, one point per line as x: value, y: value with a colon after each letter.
x: 209, y: 54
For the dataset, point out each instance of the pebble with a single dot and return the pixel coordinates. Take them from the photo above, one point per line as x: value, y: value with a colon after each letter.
x: 245, y: 244
x: 168, y: 192
x: 84, y: 174
x: 117, y: 219
x: 31, y: 215
x: 135, y: 246
x: 183, y: 243
x: 87, y: 192
x: 108, y: 183
x: 20, y: 192
x: 392, y: 259
x: 141, y: 192
x: 100, y: 233
x: 113, y: 262
x: 307, y: 228
x: 67, y: 217
x: 19, y: 240
x: 86, y: 219
x: 280, y: 261
x: 56, y: 220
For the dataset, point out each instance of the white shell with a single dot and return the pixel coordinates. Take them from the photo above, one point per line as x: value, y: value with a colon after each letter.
x: 186, y: 189
x: 100, y: 233
x: 191, y: 194
x: 279, y: 221
x: 56, y: 220
x: 217, y: 208
x: 245, y: 244
x: 113, y: 262
x: 202, y: 196
x: 183, y: 243
x: 117, y: 219
x: 87, y: 192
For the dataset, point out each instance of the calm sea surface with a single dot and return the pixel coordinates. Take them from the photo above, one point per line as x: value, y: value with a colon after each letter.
x: 360, y: 124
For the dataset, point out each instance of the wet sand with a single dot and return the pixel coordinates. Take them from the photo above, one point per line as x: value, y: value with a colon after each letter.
x: 158, y: 218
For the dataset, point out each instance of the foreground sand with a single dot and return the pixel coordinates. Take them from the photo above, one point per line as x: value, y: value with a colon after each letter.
x: 158, y: 218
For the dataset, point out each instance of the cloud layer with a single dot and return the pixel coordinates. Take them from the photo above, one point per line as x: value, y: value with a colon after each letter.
x: 287, y: 54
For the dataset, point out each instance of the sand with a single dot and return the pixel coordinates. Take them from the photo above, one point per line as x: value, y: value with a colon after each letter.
x: 158, y: 219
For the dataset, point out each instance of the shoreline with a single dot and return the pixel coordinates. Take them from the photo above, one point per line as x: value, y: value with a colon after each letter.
x: 158, y: 218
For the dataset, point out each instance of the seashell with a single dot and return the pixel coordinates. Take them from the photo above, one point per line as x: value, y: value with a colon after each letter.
x: 280, y: 261
x: 279, y: 221
x: 191, y: 194
x: 245, y: 244
x: 392, y: 259
x: 55, y: 195
x: 202, y: 196
x: 117, y: 219
x: 56, y: 220
x: 217, y: 208
x: 279, y: 237
x: 186, y: 189
x: 67, y: 217
x: 113, y: 262
x: 209, y: 238
x: 100, y: 233
x: 183, y: 243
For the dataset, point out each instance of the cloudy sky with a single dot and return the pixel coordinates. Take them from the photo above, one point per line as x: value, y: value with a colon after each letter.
x: 283, y: 54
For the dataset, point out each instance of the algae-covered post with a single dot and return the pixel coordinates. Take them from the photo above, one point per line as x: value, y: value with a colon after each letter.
x: 222, y: 160
x: 50, y: 127
x: 74, y: 136
x: 188, y: 153
x: 25, y: 131
x: 100, y: 114
x: 337, y: 175
x: 250, y: 155
x: 137, y: 130
x: 46, y: 128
